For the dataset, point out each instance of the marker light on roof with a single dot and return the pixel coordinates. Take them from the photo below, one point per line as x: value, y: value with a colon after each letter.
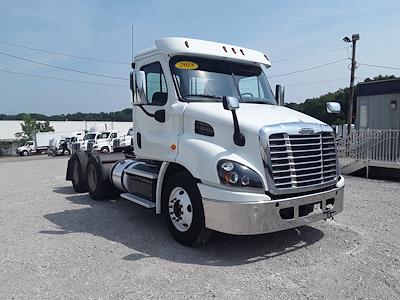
x: 234, y: 51
x: 223, y: 47
x: 186, y: 44
x: 266, y: 57
x: 241, y: 51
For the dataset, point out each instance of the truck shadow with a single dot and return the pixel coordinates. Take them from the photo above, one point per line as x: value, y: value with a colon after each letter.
x: 144, y: 232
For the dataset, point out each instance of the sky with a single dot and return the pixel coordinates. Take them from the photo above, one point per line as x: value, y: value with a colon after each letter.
x: 284, y: 30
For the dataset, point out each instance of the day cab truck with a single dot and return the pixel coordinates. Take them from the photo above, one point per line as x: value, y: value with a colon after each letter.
x: 104, y: 141
x: 124, y: 143
x: 214, y: 149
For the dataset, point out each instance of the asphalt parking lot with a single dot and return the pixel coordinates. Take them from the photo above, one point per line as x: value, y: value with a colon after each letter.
x: 56, y: 244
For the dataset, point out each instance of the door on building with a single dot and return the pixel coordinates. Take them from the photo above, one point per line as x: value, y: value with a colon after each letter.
x: 394, y: 114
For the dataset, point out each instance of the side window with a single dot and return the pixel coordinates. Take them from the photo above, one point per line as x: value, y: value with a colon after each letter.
x: 157, y: 93
x: 250, y: 87
x: 113, y: 135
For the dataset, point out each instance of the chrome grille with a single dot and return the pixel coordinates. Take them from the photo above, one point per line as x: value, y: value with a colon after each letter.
x: 116, y: 142
x: 299, y: 161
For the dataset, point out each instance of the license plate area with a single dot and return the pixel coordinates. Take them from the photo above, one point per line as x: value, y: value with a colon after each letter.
x: 310, y: 209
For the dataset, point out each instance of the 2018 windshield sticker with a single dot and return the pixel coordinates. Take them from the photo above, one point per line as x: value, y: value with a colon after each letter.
x: 186, y: 65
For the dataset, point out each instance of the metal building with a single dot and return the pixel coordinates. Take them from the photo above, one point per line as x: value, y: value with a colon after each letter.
x: 378, y: 104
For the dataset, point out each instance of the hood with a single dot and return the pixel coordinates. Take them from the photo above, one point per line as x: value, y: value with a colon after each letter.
x: 251, y: 117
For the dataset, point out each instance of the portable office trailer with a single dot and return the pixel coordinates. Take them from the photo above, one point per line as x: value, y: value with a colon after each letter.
x: 378, y: 105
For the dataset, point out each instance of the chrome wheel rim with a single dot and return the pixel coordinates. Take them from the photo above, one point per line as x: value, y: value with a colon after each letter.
x: 180, y: 209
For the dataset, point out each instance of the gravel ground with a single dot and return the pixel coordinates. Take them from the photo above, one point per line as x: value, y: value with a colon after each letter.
x: 56, y: 244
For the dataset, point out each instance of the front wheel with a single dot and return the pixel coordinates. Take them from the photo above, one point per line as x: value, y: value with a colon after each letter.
x: 66, y: 152
x: 105, y: 150
x: 24, y: 153
x: 183, y: 210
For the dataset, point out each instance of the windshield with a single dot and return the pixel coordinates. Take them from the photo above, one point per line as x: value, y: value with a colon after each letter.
x: 104, y: 135
x: 89, y: 136
x: 205, y: 79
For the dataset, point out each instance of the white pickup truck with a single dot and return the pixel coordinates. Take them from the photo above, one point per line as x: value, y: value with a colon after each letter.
x: 215, y: 150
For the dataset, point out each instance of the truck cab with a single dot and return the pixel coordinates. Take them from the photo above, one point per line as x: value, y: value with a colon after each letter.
x: 124, y: 143
x: 28, y: 148
x: 214, y: 149
x: 104, y: 141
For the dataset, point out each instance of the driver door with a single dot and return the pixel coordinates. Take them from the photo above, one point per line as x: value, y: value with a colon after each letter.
x: 154, y: 139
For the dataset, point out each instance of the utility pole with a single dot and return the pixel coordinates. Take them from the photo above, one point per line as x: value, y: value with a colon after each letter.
x: 354, y: 38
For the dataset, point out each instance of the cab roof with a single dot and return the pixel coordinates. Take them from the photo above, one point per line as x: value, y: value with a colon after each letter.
x: 186, y: 46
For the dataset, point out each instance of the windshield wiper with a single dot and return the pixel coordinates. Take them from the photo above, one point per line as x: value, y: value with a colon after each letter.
x: 205, y: 96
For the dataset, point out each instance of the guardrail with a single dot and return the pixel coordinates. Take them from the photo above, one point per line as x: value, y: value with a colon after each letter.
x: 370, y: 145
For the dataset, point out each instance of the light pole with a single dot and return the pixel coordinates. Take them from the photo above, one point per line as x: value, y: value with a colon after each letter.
x: 354, y: 38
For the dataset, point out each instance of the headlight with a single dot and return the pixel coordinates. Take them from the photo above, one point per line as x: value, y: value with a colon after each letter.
x: 235, y: 174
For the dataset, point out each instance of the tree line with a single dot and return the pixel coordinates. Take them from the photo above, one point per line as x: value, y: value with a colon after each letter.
x: 314, y: 107
x: 121, y: 116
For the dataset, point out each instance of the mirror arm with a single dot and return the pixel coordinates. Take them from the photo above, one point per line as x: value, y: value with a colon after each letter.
x: 145, y: 111
x: 238, y: 137
x: 159, y: 115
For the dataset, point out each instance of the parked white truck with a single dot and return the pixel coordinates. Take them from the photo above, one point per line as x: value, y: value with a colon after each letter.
x: 214, y: 150
x: 40, y: 144
x: 125, y: 142
x: 104, y: 141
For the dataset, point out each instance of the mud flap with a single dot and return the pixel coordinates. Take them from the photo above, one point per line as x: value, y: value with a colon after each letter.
x: 68, y: 176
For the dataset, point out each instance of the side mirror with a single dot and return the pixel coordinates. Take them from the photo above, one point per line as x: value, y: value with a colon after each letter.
x: 141, y: 89
x: 333, y: 107
x: 230, y: 103
x: 280, y: 94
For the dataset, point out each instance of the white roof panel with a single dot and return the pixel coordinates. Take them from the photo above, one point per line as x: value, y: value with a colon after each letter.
x: 186, y: 46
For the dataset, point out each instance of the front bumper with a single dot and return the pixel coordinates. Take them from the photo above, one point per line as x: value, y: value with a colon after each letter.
x: 262, y: 215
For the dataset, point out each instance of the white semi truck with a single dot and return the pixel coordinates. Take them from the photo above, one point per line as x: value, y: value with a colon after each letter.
x: 214, y: 150
x: 104, y: 141
x: 125, y: 142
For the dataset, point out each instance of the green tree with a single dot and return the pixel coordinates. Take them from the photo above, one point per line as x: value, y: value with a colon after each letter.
x: 31, y: 126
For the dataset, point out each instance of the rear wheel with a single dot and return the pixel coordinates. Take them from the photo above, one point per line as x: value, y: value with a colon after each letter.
x: 183, y: 210
x: 99, y: 184
x: 79, y: 174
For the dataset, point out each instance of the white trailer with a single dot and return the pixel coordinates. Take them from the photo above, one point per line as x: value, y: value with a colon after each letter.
x: 214, y: 149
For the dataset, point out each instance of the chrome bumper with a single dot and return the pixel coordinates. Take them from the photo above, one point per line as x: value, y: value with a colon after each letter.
x: 246, y: 218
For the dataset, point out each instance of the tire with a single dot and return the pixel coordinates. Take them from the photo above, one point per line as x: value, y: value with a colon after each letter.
x: 25, y: 153
x: 183, y: 211
x: 79, y: 175
x: 66, y: 152
x: 105, y: 149
x: 98, y: 187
